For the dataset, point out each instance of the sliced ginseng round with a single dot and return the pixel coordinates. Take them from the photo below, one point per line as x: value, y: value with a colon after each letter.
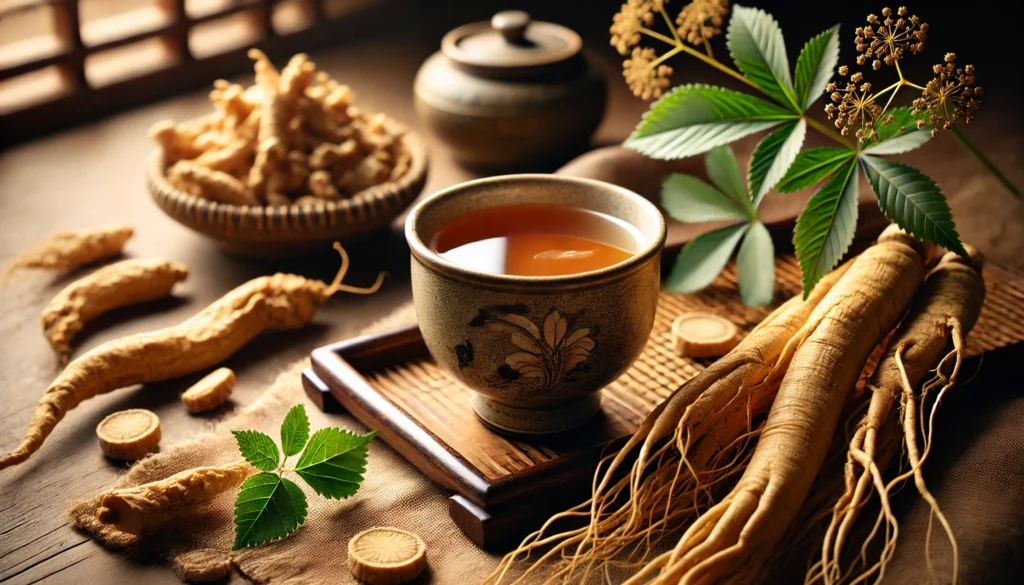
x: 129, y: 434
x: 386, y: 556
x: 210, y: 392
x: 703, y: 335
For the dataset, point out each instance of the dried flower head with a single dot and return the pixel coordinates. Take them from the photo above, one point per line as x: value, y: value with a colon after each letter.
x: 887, y: 40
x: 701, y: 20
x: 950, y: 96
x: 853, y: 106
x: 627, y: 22
x: 647, y: 80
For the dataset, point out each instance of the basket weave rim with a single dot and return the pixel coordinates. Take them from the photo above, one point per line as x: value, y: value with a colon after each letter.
x: 405, y: 189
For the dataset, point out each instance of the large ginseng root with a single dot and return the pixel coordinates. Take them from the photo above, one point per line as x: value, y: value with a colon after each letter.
x: 931, y: 336
x: 730, y: 541
x: 267, y: 303
x: 683, y: 449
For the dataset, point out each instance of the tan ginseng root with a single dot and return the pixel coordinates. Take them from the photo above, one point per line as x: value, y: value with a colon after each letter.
x: 932, y: 334
x: 268, y: 303
x: 731, y: 540
x: 669, y: 479
x: 146, y: 506
x: 118, y: 285
x: 71, y: 249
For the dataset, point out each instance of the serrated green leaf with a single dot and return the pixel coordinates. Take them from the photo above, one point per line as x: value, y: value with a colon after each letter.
x: 693, y: 119
x: 294, y: 430
x: 268, y: 507
x: 756, y: 45
x: 773, y: 156
x: 334, y: 462
x: 703, y: 258
x: 258, y: 449
x: 755, y: 266
x: 813, y: 165
x: 815, y: 66
x: 900, y: 135
x: 826, y: 226
x: 912, y: 200
x: 724, y: 171
x: 690, y: 200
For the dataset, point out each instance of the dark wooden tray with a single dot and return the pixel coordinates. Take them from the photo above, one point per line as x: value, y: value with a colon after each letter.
x: 503, y: 486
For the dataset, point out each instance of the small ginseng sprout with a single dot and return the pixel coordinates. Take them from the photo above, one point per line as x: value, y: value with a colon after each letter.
x: 270, y: 506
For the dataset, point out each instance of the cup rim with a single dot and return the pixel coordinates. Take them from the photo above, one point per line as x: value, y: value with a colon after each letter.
x: 431, y: 259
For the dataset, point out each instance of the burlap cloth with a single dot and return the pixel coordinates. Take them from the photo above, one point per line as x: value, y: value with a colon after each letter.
x: 394, y: 493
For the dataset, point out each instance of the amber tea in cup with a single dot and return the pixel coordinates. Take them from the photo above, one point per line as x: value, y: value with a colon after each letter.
x: 535, y: 291
x: 536, y: 240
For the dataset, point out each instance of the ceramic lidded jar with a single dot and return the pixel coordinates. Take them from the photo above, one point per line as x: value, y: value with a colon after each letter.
x: 511, y: 92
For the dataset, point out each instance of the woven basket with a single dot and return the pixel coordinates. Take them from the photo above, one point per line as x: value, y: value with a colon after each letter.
x: 274, y: 232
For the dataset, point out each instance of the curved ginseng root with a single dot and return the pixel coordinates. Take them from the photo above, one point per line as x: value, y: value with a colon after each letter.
x: 71, y: 249
x: 687, y: 447
x: 944, y: 311
x: 267, y: 303
x: 730, y: 541
x: 118, y: 285
x: 137, y: 509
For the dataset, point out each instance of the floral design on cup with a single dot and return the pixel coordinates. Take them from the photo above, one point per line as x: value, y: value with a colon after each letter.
x: 549, y: 354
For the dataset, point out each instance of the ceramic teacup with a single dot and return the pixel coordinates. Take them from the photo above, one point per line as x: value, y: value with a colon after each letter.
x: 535, y: 350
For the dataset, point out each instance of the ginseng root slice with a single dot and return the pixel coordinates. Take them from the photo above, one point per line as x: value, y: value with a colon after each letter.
x: 210, y: 392
x: 386, y: 556
x: 129, y: 434
x: 703, y: 335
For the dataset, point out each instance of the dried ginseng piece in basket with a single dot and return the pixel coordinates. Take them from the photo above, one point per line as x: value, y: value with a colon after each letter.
x: 71, y: 249
x: 118, y: 285
x: 129, y: 434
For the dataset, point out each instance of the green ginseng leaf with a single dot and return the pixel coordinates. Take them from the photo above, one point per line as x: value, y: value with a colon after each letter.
x: 755, y: 266
x: 724, y: 171
x: 334, y: 462
x: 690, y: 200
x: 773, y: 156
x: 826, y: 226
x: 703, y: 258
x: 756, y: 45
x: 258, y: 449
x: 294, y: 430
x: 816, y: 65
x: 268, y: 507
x: 813, y: 165
x: 912, y: 200
x: 693, y: 119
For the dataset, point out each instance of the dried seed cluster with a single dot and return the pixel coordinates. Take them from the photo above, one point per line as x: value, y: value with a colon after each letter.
x: 627, y: 22
x: 853, y: 105
x: 950, y: 96
x: 702, y: 20
x: 887, y: 41
x: 646, y: 81
x: 293, y: 137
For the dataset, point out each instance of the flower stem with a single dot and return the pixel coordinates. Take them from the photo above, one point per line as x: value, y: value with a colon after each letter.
x: 671, y: 53
x: 657, y: 35
x: 671, y: 26
x: 707, y: 47
x: 984, y: 160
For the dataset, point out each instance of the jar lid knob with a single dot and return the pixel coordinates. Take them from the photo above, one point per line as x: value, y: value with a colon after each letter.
x: 511, y: 24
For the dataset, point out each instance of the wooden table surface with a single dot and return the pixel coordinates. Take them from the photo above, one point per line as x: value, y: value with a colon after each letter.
x: 94, y: 175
